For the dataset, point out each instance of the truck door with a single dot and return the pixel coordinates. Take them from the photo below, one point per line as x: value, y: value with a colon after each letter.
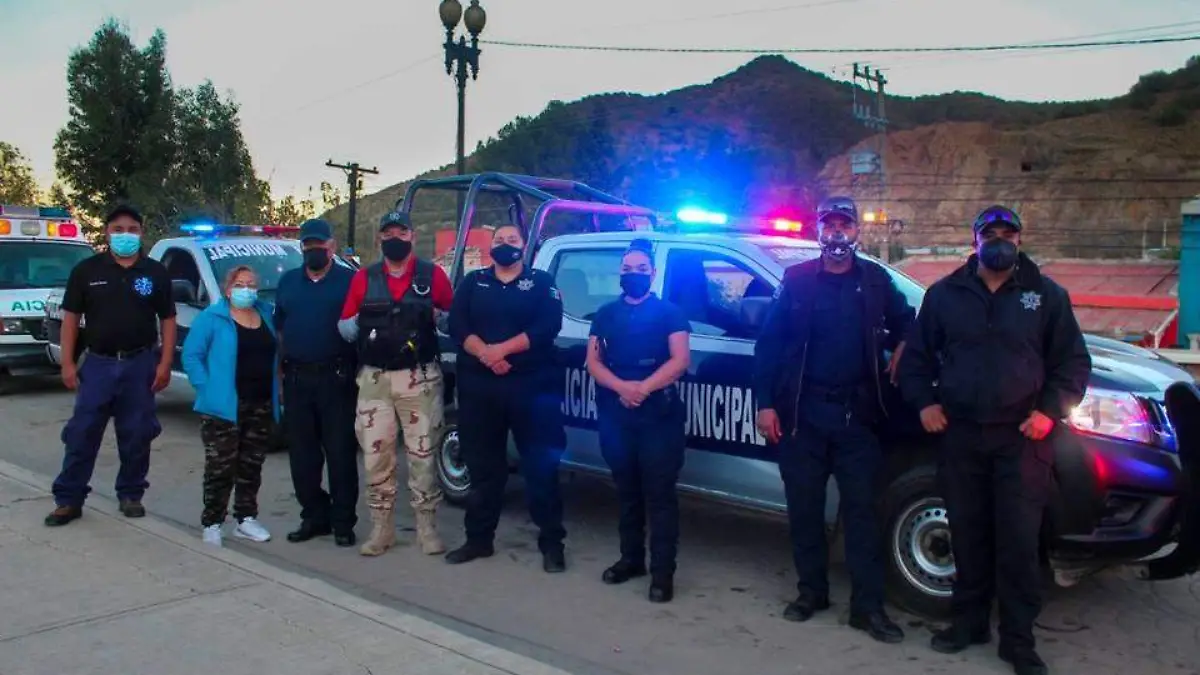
x: 588, y: 276
x: 726, y: 455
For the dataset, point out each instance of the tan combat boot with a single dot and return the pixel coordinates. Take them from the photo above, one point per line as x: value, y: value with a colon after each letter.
x: 383, y: 533
x: 427, y: 536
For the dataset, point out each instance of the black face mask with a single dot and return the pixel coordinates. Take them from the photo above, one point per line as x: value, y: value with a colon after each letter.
x: 506, y: 255
x: 396, y: 250
x: 635, y: 285
x: 315, y: 259
x: 998, y: 255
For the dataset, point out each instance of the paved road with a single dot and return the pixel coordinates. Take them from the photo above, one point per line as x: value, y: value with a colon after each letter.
x: 734, y: 578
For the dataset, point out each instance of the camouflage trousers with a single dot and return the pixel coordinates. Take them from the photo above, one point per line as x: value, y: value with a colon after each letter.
x: 233, y: 459
x: 391, y: 403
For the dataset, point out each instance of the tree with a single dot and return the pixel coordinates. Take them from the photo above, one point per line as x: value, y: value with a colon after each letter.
x: 17, y: 185
x: 331, y: 197
x: 290, y: 211
x: 213, y: 173
x: 118, y: 144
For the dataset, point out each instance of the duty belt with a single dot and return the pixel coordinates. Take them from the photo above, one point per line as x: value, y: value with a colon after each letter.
x: 842, y: 394
x: 120, y: 355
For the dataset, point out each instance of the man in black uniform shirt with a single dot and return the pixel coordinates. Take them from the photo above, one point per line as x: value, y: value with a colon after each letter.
x: 124, y: 297
x: 819, y: 378
x: 1009, y: 361
x: 505, y: 319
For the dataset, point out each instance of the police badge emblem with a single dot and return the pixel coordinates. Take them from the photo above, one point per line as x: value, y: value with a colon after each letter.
x: 1031, y: 300
x: 525, y: 284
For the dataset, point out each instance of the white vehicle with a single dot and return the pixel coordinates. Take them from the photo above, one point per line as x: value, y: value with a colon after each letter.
x: 38, y: 248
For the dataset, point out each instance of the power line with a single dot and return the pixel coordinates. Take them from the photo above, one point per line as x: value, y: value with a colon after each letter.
x: 849, y: 50
x: 356, y: 87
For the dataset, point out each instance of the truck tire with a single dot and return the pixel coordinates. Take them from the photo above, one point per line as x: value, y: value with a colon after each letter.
x: 919, y: 565
x: 452, y: 468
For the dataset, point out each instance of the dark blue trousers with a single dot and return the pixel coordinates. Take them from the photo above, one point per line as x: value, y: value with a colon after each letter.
x: 319, y: 418
x: 645, y: 453
x: 120, y: 390
x: 529, y: 407
x: 828, y: 443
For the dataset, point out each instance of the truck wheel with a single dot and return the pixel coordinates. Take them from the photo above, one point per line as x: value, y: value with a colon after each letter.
x: 452, y: 469
x: 919, y: 561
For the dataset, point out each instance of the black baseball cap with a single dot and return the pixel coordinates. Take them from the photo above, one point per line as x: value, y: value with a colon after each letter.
x: 395, y: 219
x: 842, y: 207
x: 123, y: 210
x: 315, y: 229
x: 996, y: 215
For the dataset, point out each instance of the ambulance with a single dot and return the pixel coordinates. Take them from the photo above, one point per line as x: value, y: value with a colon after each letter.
x: 38, y: 248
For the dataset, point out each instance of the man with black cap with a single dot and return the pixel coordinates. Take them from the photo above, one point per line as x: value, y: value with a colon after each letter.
x: 125, y: 298
x: 391, y: 315
x: 819, y: 380
x: 318, y: 388
x: 994, y: 363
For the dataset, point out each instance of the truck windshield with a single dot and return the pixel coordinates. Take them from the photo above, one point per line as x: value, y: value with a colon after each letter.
x: 787, y: 256
x: 38, y: 264
x: 268, y: 259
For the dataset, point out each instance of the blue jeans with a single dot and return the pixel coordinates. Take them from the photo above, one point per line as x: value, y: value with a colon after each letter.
x: 117, y: 389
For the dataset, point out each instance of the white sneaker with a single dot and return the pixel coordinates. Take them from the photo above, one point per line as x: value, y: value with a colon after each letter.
x: 251, y: 529
x: 212, y: 535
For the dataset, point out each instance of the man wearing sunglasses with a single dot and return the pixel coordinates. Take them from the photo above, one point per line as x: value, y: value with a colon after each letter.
x: 1009, y: 361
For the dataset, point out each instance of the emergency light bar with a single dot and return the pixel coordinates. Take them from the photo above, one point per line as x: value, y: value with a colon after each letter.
x: 217, y: 230
x: 697, y: 216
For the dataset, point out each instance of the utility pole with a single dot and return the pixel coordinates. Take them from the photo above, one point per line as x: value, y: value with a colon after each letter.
x: 870, y: 108
x: 354, y: 174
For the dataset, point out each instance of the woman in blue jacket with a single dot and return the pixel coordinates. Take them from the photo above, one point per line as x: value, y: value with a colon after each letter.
x: 229, y: 356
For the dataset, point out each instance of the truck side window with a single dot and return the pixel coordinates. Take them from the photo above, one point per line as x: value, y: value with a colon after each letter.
x: 182, y: 266
x: 588, y: 280
x: 709, y: 287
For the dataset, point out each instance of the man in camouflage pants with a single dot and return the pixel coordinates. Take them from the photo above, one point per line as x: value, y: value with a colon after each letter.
x: 391, y: 314
x: 233, y: 460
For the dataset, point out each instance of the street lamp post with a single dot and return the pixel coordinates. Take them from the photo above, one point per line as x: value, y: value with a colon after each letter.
x: 462, y: 58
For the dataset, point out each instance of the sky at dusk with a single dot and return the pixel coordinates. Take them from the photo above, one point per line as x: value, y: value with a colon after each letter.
x: 363, y: 80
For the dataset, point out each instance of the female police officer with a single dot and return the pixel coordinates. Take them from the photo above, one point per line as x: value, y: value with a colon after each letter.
x: 637, y: 350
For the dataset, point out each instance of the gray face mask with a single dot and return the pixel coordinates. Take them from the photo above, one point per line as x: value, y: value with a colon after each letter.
x: 838, y: 246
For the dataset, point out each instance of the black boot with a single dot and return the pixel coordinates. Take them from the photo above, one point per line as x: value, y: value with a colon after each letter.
x: 878, y: 626
x: 803, y: 607
x: 662, y: 588
x: 1024, y: 660
x: 468, y: 552
x: 554, y: 561
x: 622, y: 571
x: 959, y: 637
x: 309, y: 530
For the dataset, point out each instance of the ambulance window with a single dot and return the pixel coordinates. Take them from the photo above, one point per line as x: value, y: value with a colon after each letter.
x: 709, y: 288
x: 588, y: 280
x: 28, y: 264
x: 182, y: 266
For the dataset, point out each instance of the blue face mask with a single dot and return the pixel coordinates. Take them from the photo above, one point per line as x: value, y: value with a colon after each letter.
x: 125, y: 244
x: 243, y: 298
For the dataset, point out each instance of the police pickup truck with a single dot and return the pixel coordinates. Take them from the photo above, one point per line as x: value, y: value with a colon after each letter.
x: 1123, y: 475
x: 38, y: 248
x: 197, y: 265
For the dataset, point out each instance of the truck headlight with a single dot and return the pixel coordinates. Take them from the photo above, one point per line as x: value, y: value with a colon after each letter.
x: 1116, y: 414
x: 12, y: 327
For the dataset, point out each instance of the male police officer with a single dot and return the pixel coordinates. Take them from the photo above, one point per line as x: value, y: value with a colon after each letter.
x: 318, y: 388
x: 819, y: 379
x: 391, y: 314
x: 1002, y: 343
x: 505, y: 319
x: 125, y: 298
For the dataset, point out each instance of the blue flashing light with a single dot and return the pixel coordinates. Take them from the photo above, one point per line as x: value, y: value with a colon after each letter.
x: 697, y: 216
x: 53, y: 212
x: 210, y: 229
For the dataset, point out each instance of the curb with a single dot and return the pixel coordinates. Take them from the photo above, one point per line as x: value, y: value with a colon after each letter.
x: 412, y: 626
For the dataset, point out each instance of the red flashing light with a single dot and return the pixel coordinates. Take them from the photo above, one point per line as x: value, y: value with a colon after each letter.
x: 279, y: 230
x: 68, y: 230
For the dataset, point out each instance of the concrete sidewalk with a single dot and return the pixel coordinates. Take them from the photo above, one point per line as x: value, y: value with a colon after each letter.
x: 109, y: 595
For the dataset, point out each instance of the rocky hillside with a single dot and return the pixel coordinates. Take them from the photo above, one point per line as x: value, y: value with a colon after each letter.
x: 1094, y: 178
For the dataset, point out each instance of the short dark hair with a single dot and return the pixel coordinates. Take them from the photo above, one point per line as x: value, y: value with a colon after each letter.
x: 123, y: 210
x: 643, y: 246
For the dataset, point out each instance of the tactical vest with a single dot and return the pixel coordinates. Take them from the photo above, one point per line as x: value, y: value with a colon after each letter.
x: 398, y: 334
